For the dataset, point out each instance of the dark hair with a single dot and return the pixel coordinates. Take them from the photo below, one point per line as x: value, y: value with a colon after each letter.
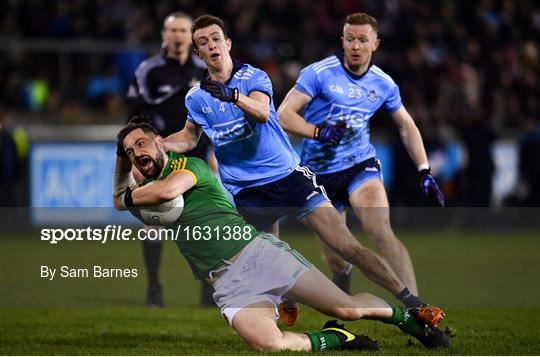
x: 361, y: 18
x: 137, y: 122
x: 205, y: 21
x: 176, y: 15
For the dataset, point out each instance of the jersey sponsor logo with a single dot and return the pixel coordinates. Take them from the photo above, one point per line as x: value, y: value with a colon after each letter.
x: 354, y: 117
x: 232, y: 131
x: 165, y: 88
x: 336, y: 89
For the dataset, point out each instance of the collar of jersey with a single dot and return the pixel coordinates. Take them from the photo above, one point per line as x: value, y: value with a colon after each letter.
x: 354, y: 76
x: 236, y: 67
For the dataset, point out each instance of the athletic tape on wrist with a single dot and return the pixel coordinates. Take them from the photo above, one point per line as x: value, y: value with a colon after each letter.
x: 423, y: 167
x: 122, y: 205
x: 121, y: 182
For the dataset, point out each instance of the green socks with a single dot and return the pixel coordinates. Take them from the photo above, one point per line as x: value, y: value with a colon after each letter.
x: 323, y: 340
x: 405, y: 321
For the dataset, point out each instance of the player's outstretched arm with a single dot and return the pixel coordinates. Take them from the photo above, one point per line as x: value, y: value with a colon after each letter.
x: 184, y: 140
x: 410, y: 135
x: 290, y: 119
x: 122, y: 179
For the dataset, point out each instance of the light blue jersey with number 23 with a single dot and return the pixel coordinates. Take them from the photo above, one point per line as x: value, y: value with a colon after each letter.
x: 338, y: 95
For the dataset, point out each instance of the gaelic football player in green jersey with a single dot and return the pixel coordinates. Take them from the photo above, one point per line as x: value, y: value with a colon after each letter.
x: 251, y: 272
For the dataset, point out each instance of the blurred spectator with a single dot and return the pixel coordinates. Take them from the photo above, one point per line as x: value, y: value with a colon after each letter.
x: 478, y: 138
x: 13, y: 154
x: 448, y: 57
x: 529, y: 169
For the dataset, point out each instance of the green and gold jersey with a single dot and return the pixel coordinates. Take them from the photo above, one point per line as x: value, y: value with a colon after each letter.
x: 209, y: 229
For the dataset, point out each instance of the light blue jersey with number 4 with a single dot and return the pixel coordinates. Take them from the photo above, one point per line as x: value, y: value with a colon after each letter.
x: 249, y: 153
x: 338, y: 95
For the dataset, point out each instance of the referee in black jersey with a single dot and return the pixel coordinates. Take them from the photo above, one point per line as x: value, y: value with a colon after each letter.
x: 158, y: 90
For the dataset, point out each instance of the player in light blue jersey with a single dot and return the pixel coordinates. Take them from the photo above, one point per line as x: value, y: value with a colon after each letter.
x: 233, y: 105
x: 339, y: 95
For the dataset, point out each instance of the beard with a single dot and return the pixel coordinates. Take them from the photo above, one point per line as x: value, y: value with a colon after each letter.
x: 157, y: 165
x: 159, y: 162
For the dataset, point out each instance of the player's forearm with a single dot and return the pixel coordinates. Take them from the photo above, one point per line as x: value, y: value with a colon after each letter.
x: 410, y: 135
x: 122, y: 178
x: 165, y: 190
x: 156, y: 193
x: 253, y: 108
x: 294, y: 124
x: 180, y: 142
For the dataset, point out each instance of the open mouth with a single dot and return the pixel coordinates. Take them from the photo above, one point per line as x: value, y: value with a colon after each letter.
x: 145, y: 163
x: 214, y: 55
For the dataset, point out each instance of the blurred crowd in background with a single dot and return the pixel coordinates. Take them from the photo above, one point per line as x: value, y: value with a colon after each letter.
x: 467, y: 70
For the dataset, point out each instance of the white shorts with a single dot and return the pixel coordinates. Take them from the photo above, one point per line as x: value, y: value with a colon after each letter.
x: 265, y: 270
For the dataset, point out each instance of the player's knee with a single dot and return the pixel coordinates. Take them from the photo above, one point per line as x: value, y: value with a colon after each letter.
x: 268, y: 344
x: 348, y: 313
x: 380, y: 233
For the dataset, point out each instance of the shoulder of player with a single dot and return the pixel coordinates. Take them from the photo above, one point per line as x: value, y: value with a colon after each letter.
x: 378, y: 72
x: 194, y: 166
x: 183, y: 161
x: 324, y: 64
x: 247, y: 71
x: 177, y: 162
x: 175, y: 159
x: 194, y: 92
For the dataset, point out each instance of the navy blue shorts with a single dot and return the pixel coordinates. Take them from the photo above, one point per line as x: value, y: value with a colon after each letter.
x: 340, y: 185
x: 298, y: 194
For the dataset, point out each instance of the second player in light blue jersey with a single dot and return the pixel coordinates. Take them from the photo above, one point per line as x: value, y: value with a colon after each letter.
x: 339, y: 95
x: 233, y: 105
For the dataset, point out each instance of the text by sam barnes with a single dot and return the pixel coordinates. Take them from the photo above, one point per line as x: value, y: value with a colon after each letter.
x: 96, y: 271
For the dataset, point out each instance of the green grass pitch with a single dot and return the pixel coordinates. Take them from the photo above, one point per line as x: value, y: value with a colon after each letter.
x: 489, y: 285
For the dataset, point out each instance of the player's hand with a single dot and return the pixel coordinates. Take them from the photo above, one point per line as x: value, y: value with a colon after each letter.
x: 220, y: 91
x: 428, y: 184
x: 331, y: 134
x: 120, y: 151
